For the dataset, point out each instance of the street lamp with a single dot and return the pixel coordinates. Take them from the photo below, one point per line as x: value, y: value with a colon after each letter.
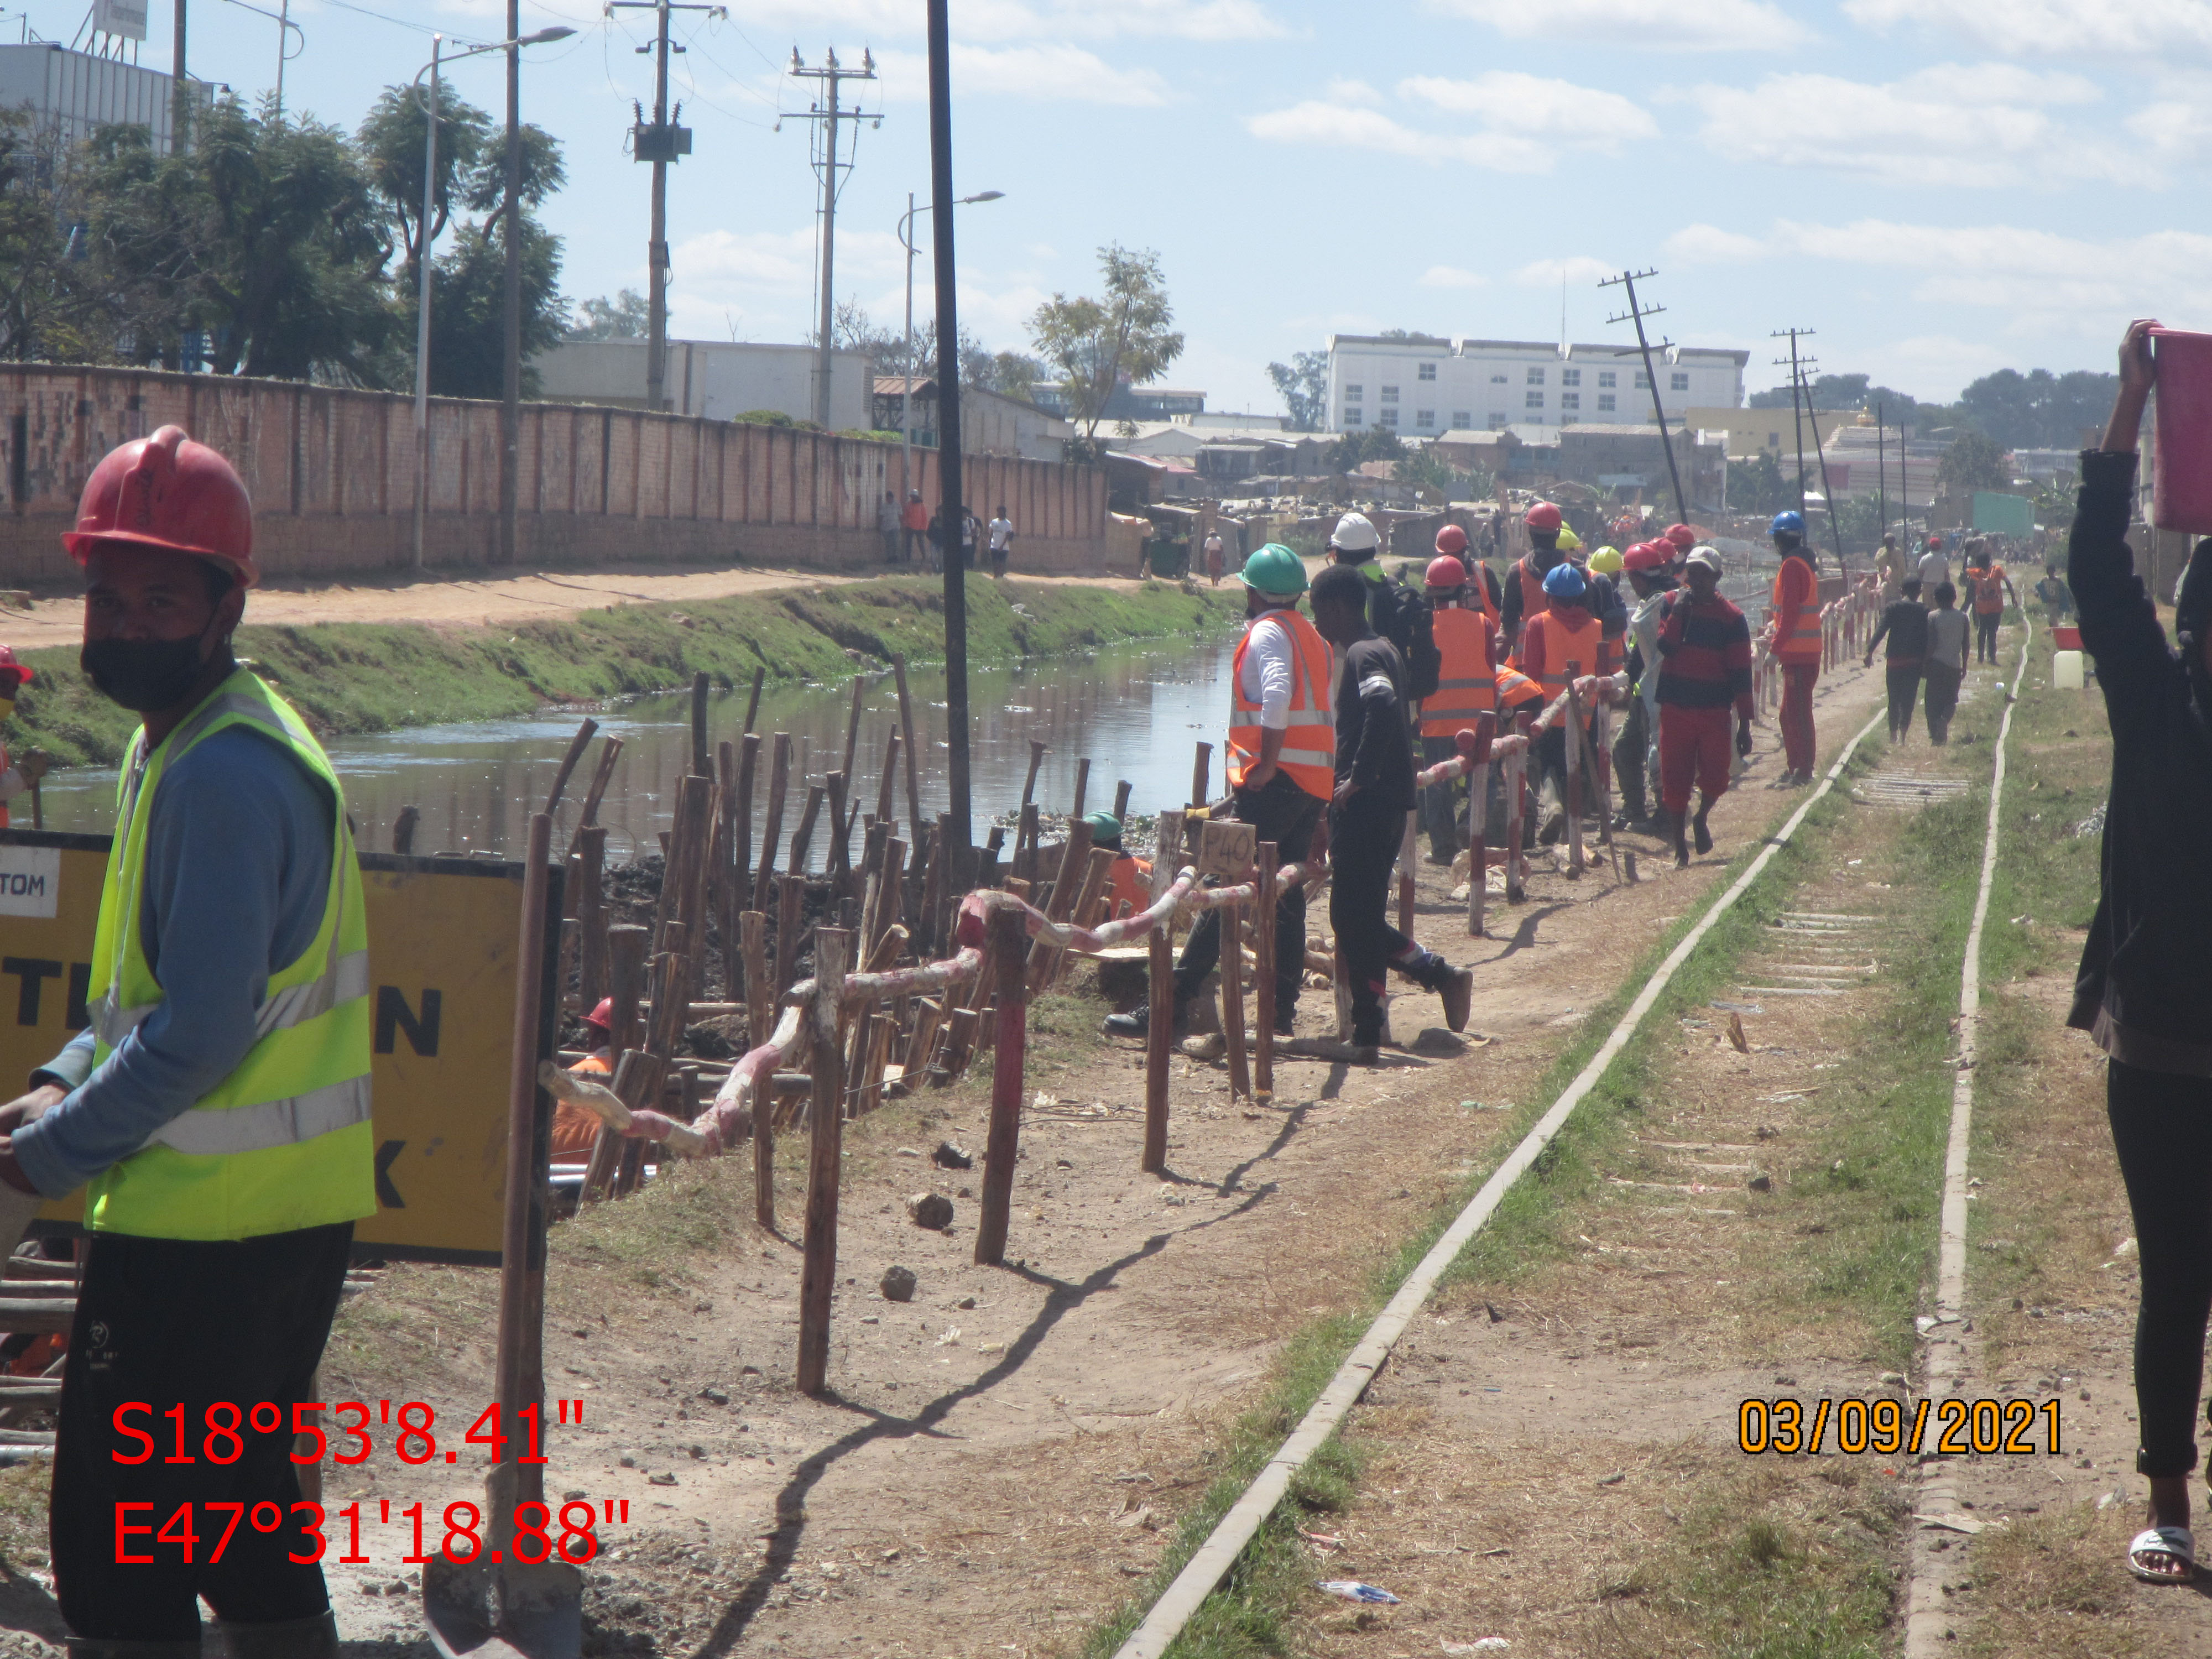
x: 422, y: 255
x: 906, y: 393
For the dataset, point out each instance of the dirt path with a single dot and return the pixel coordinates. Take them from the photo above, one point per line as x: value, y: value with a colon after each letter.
x: 475, y: 601
x: 1004, y: 1455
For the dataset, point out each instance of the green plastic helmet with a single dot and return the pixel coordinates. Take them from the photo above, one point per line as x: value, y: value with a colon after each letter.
x: 1105, y: 829
x: 1606, y: 562
x: 1275, y: 571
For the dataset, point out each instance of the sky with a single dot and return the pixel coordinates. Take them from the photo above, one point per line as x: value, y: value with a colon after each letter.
x: 1938, y: 188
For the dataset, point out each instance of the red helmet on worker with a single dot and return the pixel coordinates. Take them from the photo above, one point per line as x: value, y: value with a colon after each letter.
x: 169, y: 493
x: 603, y: 1016
x: 12, y: 673
x: 1451, y: 539
x: 1444, y: 572
x: 1643, y: 557
x: 1543, y: 517
x: 1682, y: 535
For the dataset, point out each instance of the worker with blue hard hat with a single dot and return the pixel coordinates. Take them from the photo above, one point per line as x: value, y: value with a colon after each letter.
x: 1568, y: 640
x: 1794, y: 635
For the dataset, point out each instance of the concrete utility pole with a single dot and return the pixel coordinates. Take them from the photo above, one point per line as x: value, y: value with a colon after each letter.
x: 1637, y: 314
x: 826, y: 112
x: 660, y: 143
x: 1798, y: 368
x: 1796, y: 414
x: 177, y: 94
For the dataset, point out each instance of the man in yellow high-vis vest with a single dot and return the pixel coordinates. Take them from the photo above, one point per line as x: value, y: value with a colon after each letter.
x: 217, y: 1110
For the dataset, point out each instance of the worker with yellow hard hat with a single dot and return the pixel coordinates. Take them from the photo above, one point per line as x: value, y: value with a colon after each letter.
x: 215, y: 1111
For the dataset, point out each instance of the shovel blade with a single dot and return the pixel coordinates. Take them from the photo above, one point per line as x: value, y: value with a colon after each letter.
x: 514, y: 1610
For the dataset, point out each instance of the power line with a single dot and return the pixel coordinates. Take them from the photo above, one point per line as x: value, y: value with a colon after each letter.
x: 1636, y: 315
x: 828, y: 121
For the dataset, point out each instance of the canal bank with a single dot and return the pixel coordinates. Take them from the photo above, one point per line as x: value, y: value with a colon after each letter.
x: 354, y: 677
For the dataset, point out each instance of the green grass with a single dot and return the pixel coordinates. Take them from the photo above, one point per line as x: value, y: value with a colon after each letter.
x: 369, y: 677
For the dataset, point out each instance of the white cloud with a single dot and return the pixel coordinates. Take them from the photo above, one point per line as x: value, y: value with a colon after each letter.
x: 2056, y: 28
x: 1970, y: 126
x: 1528, y: 103
x: 1660, y: 25
x: 1709, y: 244
x: 1578, y: 272
x: 1451, y: 277
x: 1058, y: 74
x: 1526, y: 121
x: 1015, y: 20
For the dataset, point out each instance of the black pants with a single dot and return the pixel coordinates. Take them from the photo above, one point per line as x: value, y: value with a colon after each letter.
x: 1986, y: 636
x: 1363, y: 839
x: 168, y: 1321
x: 2162, y: 1131
x: 1440, y: 802
x: 1942, y: 699
x: 1904, y: 688
x: 1631, y: 755
x: 1286, y: 815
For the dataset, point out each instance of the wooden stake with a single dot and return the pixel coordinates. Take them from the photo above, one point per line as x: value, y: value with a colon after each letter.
x: 402, y: 829
x: 890, y: 779
x: 802, y: 839
x: 913, y: 750
x: 1478, y: 854
x: 729, y: 873
x: 1201, y: 773
x: 1265, y: 903
x: 841, y: 835
x: 759, y: 1020
x: 1122, y: 802
x: 1159, y: 1036
x: 1036, y: 759
x: 577, y: 745
x: 700, y: 755
x: 591, y: 915
x: 778, y: 780
x: 741, y: 855
x: 752, y: 703
x: 853, y: 728
x: 1576, y: 863
x: 1082, y: 787
x: 1009, y: 946
x: 1025, y: 844
x: 817, y: 1278
x: 1072, y: 858
x: 790, y: 898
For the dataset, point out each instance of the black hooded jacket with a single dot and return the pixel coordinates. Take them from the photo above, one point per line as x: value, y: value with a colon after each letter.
x: 2147, y: 968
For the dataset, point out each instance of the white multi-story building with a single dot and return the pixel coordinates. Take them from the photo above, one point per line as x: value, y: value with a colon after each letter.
x: 1424, y: 386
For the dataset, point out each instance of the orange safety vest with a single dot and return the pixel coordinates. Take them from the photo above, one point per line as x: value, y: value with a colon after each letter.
x: 1803, y: 643
x: 1309, y: 755
x: 1533, y: 597
x: 1517, y: 691
x: 1467, y: 684
x: 1128, y: 878
x: 1989, y: 590
x: 1563, y: 645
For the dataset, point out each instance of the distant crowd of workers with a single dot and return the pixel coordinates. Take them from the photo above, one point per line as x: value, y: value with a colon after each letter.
x: 1929, y: 640
x: 1321, y: 747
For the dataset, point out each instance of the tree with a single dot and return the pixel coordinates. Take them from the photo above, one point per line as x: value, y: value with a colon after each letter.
x: 1303, y: 384
x: 1760, y: 485
x: 1425, y: 467
x: 391, y: 139
x: 1974, y: 461
x: 623, y: 318
x: 1376, y: 443
x: 468, y: 310
x: 266, y: 234
x: 2038, y: 410
x: 44, y: 309
x: 1097, y: 344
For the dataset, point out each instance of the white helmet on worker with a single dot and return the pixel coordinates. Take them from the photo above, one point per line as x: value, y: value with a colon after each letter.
x: 1704, y: 558
x: 1356, y: 536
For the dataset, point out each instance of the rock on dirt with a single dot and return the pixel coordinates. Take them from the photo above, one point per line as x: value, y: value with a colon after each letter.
x: 898, y: 1283
x: 930, y: 1210
x: 950, y: 1156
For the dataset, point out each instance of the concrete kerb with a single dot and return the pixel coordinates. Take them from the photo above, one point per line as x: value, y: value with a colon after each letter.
x: 1219, y: 1551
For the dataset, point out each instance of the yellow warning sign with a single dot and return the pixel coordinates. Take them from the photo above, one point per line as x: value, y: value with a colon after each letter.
x: 441, y: 953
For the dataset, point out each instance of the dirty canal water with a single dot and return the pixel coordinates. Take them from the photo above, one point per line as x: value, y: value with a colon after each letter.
x: 1134, y: 710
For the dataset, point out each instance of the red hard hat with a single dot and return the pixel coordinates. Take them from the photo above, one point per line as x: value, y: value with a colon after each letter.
x: 1682, y: 535
x: 1451, y: 539
x: 13, y: 673
x: 603, y: 1016
x: 1542, y: 515
x: 1643, y: 557
x: 167, y: 492
x: 1445, y: 571
x: 1935, y: 541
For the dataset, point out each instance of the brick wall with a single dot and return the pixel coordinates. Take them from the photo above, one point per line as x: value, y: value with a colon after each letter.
x: 332, y: 473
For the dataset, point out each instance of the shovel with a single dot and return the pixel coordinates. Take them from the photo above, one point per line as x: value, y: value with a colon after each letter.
x: 497, y: 1607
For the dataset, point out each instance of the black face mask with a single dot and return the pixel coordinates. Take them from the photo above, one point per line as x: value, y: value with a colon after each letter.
x: 145, y: 676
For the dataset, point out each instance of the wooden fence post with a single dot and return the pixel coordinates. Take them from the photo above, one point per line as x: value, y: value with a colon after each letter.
x: 1159, y: 1034
x: 591, y: 915
x: 913, y: 752
x: 1201, y: 773
x: 760, y: 1022
x: 1009, y: 946
x: 1265, y: 903
x: 817, y: 1278
x: 779, y: 782
x: 741, y: 822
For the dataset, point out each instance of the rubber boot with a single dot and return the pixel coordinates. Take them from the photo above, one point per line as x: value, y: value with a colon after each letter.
x: 315, y: 1637
x: 97, y: 1647
x: 1138, y: 1022
x: 1673, y: 828
x: 1705, y: 835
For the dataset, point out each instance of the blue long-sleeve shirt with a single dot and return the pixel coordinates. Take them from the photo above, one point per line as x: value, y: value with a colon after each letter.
x: 238, y: 870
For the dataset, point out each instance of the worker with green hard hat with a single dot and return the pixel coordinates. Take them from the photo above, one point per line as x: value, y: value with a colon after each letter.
x: 1281, y: 765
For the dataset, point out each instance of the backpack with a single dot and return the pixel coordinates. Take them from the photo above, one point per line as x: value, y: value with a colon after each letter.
x: 1401, y: 616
